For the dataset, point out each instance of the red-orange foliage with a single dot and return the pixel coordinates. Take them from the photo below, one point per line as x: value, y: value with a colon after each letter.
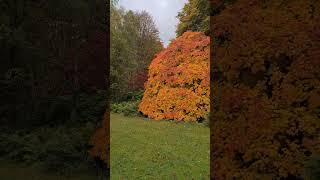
x: 101, y: 142
x: 88, y: 64
x: 138, y: 80
x: 178, y: 80
x: 266, y: 61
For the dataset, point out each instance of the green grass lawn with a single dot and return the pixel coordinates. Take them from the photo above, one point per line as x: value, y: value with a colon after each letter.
x: 146, y: 149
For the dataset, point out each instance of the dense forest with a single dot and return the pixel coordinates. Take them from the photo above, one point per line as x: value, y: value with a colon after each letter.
x: 53, y: 82
x: 134, y: 42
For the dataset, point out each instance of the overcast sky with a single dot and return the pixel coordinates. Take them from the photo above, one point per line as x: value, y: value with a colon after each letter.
x: 164, y: 13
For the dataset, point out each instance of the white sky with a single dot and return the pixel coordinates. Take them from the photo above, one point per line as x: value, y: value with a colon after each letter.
x: 164, y: 13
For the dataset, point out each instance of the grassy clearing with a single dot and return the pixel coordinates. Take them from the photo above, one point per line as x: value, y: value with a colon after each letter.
x: 144, y: 149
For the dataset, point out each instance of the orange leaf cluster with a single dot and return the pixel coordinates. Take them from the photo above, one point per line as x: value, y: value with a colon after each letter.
x: 178, y: 80
x: 266, y: 61
x: 100, y: 142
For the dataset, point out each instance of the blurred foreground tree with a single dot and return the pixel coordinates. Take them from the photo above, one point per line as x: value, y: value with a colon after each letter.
x: 53, y: 64
x: 265, y: 118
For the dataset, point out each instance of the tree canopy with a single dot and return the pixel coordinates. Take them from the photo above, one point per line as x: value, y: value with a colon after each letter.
x: 134, y: 42
x: 178, y: 80
x: 194, y: 17
x: 265, y: 119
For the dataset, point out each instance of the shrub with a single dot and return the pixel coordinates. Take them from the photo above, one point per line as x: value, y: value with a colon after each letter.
x: 129, y: 108
x: 178, y: 80
x: 135, y: 96
x: 312, y: 171
x: 92, y: 106
x: 207, y: 120
x: 61, y: 147
x: 100, y: 142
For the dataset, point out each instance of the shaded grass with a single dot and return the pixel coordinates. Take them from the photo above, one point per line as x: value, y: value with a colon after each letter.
x: 12, y: 171
x: 144, y: 149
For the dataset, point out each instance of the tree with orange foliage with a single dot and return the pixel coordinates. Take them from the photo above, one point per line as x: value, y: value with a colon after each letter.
x: 178, y: 80
x: 266, y: 61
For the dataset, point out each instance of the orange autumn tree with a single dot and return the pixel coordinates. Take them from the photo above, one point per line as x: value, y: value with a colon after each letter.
x: 266, y: 61
x: 178, y: 80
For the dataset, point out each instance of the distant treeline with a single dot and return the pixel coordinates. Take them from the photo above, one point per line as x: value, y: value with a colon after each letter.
x: 134, y: 43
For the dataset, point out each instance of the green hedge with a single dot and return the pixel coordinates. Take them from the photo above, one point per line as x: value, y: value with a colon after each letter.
x: 129, y: 108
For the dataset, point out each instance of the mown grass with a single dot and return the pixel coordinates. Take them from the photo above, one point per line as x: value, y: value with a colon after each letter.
x: 146, y: 149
